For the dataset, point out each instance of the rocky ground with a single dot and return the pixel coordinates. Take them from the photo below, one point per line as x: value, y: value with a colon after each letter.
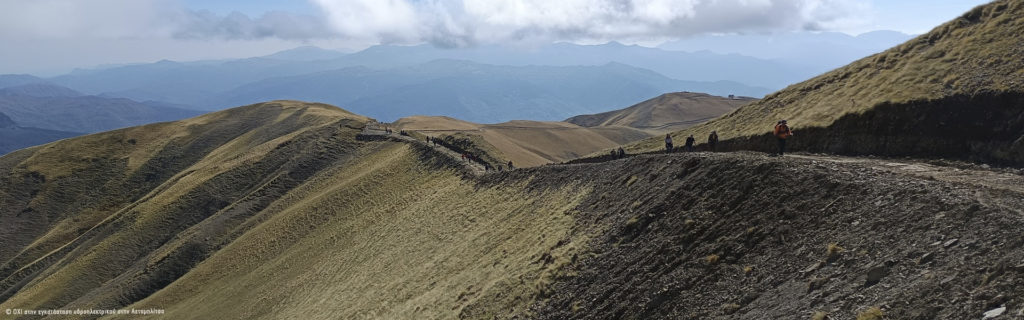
x: 747, y: 236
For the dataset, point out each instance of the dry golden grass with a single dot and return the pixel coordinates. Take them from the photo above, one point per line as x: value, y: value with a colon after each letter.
x: 75, y: 159
x: 666, y: 113
x: 382, y: 238
x: 373, y: 233
x: 529, y: 143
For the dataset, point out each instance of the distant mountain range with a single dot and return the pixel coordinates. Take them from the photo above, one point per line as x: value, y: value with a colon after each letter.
x: 53, y: 107
x: 14, y: 137
x: 34, y: 112
x: 483, y: 84
x: 476, y: 92
x: 208, y: 84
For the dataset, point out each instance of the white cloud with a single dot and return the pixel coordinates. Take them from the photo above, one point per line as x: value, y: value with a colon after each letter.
x: 97, y: 18
x: 443, y: 22
x: 460, y: 22
x: 129, y: 19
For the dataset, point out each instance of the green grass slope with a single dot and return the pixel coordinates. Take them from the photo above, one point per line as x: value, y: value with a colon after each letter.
x: 957, y: 88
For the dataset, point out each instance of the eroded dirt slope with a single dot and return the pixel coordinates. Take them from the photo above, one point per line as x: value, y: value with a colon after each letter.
x: 745, y: 236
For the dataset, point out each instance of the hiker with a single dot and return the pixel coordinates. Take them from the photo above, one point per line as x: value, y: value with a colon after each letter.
x: 689, y: 143
x: 712, y: 140
x: 612, y: 154
x: 668, y: 143
x: 510, y: 167
x: 622, y: 153
x: 782, y: 132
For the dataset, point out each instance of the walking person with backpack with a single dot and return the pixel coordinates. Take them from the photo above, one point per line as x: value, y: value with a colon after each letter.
x: 712, y: 140
x: 782, y: 133
x: 668, y: 143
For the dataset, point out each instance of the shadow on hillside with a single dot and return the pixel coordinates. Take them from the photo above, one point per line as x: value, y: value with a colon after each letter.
x: 981, y: 128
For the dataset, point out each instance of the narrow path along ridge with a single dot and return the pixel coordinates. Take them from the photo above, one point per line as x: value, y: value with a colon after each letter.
x: 375, y: 130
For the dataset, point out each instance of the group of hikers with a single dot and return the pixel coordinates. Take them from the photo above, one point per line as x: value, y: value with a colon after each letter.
x: 487, y: 166
x: 690, y: 141
x: 499, y: 168
x: 782, y: 133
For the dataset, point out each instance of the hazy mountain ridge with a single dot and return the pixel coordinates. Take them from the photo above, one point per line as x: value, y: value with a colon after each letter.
x: 476, y: 92
x: 52, y: 107
x: 12, y: 80
x: 14, y: 137
x: 199, y: 83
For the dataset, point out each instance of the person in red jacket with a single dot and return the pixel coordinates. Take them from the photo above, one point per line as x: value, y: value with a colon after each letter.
x: 782, y: 132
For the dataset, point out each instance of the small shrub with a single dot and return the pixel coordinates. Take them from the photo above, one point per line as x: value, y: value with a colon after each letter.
x: 631, y: 181
x: 730, y: 308
x: 748, y: 269
x: 712, y: 259
x: 820, y: 315
x: 632, y: 221
x: 873, y: 313
x: 833, y: 250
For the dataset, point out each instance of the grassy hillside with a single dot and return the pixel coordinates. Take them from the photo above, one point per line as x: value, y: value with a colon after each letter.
x: 943, y: 88
x: 280, y: 210
x: 528, y: 143
x: 666, y: 113
x: 270, y: 210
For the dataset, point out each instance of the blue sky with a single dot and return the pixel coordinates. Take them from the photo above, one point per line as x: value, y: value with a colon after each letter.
x: 38, y: 34
x: 918, y: 16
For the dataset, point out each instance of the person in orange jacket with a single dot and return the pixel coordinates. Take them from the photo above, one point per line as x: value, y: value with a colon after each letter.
x: 782, y: 132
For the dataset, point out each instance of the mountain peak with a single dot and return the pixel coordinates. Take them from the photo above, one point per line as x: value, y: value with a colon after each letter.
x: 306, y: 53
x: 10, y: 80
x: 41, y: 90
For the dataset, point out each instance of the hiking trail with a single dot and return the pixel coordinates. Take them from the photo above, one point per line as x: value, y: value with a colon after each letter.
x: 375, y: 130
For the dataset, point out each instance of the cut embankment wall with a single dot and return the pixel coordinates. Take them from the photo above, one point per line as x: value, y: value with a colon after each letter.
x: 980, y: 128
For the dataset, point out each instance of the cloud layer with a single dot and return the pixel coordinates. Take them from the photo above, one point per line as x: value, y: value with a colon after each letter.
x: 465, y: 22
x: 442, y: 22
